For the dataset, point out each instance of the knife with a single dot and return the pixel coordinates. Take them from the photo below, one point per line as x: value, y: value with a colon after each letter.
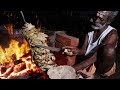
x: 48, y: 47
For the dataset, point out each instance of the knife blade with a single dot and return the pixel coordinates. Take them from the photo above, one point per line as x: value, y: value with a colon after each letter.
x: 48, y: 47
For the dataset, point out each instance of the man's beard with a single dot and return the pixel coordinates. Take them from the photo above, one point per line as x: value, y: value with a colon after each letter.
x: 96, y: 26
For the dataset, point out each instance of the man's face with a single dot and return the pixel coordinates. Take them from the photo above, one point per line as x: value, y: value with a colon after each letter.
x: 100, y: 20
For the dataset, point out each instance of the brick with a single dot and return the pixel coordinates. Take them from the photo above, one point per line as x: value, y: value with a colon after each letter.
x: 58, y: 44
x: 60, y: 58
x: 70, y: 60
x: 67, y: 40
x: 62, y: 40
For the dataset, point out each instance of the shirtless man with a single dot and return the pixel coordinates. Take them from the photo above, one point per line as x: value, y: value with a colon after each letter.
x: 99, y: 47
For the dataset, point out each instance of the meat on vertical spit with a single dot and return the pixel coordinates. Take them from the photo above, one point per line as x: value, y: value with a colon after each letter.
x: 40, y: 56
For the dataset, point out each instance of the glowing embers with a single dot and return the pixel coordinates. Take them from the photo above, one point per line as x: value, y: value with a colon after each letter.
x: 16, y: 62
x: 21, y: 69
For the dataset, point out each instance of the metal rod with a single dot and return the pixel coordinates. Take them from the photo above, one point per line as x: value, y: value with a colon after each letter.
x: 23, y: 17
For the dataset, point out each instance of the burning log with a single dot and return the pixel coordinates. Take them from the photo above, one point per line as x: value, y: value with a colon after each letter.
x: 21, y: 69
x: 7, y: 72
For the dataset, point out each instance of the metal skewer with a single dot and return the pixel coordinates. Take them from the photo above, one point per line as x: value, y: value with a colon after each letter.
x: 23, y: 17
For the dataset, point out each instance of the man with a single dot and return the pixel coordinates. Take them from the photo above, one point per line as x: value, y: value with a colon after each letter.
x: 99, y: 48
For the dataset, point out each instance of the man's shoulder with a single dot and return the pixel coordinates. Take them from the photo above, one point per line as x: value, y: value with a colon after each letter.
x: 113, y: 32
x: 111, y: 38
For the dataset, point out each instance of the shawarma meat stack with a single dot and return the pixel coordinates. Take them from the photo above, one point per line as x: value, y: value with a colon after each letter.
x: 40, y: 56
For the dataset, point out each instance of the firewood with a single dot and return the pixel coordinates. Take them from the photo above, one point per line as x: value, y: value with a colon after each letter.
x: 19, y: 67
x: 8, y: 71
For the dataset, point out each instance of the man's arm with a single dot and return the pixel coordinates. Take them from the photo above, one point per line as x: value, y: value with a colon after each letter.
x: 85, y: 63
x: 108, y: 56
x: 75, y: 50
x: 84, y: 46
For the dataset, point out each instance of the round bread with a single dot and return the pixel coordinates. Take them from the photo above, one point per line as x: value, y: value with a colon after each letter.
x: 62, y: 72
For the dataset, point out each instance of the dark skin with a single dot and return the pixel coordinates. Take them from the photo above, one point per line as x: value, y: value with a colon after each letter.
x: 108, y: 54
x: 104, y: 55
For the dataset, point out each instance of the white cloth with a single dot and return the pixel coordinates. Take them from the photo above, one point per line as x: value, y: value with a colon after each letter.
x: 91, y: 44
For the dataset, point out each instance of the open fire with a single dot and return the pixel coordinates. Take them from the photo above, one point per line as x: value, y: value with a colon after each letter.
x: 14, y: 51
x: 16, y: 62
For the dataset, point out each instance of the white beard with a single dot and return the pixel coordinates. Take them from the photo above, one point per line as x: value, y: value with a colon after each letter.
x: 97, y: 26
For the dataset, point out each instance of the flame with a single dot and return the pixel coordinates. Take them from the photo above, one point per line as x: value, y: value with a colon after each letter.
x: 17, y: 52
x: 25, y: 67
x: 9, y: 27
x: 6, y: 55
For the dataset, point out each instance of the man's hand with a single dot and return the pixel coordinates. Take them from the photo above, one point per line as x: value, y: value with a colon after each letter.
x: 70, y: 51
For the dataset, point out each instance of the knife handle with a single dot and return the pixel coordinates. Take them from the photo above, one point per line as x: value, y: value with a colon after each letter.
x: 62, y: 50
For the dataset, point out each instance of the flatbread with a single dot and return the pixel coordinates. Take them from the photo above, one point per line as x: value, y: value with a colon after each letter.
x: 62, y: 72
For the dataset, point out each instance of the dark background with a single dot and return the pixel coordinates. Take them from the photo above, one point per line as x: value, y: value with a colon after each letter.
x: 74, y: 21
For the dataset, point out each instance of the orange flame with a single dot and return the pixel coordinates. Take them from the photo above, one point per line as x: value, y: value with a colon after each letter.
x: 25, y: 67
x: 14, y: 49
x: 17, y: 52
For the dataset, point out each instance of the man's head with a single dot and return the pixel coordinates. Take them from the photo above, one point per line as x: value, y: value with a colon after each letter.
x: 102, y: 19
